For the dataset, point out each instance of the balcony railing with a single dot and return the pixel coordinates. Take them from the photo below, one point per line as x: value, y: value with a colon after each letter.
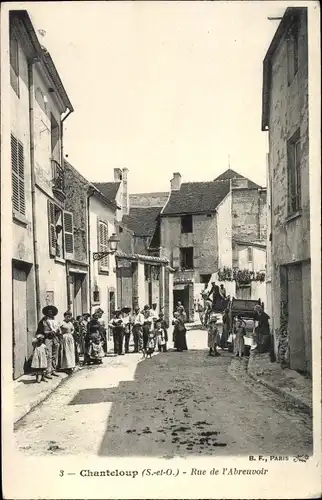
x: 58, y: 179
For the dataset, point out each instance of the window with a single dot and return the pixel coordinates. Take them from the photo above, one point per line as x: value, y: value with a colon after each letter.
x: 18, y: 176
x: 55, y: 136
x: 103, y: 264
x: 14, y: 64
x: 186, y: 224
x: 60, y: 232
x: 293, y: 51
x: 250, y: 254
x: 186, y: 258
x: 205, y: 278
x: 294, y: 173
x: 121, y: 229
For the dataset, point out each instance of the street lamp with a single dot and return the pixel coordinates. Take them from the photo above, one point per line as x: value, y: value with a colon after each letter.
x: 113, y: 244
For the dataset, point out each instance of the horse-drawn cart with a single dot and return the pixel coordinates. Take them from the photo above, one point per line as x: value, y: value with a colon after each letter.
x: 244, y: 310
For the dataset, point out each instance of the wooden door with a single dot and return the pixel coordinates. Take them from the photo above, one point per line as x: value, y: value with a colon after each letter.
x: 244, y: 292
x: 20, y: 321
x: 295, y: 318
x: 78, y: 296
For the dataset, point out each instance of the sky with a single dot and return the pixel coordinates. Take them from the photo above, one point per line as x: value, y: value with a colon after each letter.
x: 161, y: 87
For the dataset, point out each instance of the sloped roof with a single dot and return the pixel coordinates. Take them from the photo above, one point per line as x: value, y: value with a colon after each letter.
x: 108, y: 189
x: 231, y: 174
x: 142, y: 221
x: 197, y: 197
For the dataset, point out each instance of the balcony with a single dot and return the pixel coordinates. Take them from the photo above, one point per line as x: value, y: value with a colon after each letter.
x: 58, y: 180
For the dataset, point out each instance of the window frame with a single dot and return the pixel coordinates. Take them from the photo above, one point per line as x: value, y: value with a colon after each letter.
x: 184, y: 224
x: 294, y: 173
x: 183, y: 258
x: 14, y: 64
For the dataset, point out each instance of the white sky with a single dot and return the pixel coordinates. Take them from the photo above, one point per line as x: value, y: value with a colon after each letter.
x: 160, y: 87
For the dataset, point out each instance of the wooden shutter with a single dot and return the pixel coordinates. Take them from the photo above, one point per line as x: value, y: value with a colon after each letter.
x: 18, y: 176
x: 51, y: 228
x: 176, y: 257
x: 103, y: 246
x: 69, y: 235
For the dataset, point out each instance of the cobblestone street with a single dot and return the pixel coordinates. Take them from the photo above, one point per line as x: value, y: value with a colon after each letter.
x: 175, y: 404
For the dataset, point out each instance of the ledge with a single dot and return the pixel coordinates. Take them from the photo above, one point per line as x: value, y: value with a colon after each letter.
x: 293, y: 216
x: 20, y: 219
x: 60, y: 260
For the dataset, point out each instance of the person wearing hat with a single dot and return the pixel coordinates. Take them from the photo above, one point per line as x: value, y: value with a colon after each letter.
x: 153, y: 313
x: 127, y: 327
x: 99, y: 312
x: 118, y: 332
x: 49, y: 328
x: 213, y: 335
x: 137, y: 321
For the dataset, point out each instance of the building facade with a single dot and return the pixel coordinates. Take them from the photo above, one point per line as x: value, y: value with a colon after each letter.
x: 102, y: 216
x: 40, y: 223
x: 199, y: 224
x: 77, y: 269
x: 285, y: 117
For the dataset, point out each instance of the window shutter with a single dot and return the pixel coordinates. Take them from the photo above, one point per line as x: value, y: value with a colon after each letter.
x: 51, y: 228
x: 103, y: 246
x: 18, y: 176
x: 69, y: 235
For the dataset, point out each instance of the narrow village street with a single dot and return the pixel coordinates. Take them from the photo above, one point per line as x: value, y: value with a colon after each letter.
x: 175, y: 404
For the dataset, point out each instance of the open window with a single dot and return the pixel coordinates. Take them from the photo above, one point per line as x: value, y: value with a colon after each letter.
x: 186, y: 258
x: 186, y: 224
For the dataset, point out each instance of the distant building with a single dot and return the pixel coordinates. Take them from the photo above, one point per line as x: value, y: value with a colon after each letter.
x: 199, y: 224
x: 285, y: 116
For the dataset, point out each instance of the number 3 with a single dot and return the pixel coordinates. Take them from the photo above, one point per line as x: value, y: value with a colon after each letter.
x: 61, y: 473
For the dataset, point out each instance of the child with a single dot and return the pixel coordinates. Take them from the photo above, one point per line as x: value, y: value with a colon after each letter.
x: 213, y: 336
x: 164, y: 326
x: 39, y: 358
x: 160, y: 336
x: 150, y: 346
x: 239, y: 340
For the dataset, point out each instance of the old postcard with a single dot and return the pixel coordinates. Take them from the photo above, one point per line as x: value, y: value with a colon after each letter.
x: 160, y: 233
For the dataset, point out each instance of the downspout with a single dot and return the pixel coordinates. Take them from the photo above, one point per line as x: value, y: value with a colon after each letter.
x: 33, y: 186
x: 90, y: 193
x: 69, y: 301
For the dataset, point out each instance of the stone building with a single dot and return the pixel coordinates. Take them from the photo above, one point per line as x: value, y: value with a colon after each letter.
x: 285, y: 117
x: 199, y: 224
x: 78, y: 275
x: 40, y: 224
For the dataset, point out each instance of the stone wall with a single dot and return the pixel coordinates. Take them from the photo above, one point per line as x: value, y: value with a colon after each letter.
x: 143, y: 200
x: 76, y: 202
x: 248, y: 214
x: 290, y: 235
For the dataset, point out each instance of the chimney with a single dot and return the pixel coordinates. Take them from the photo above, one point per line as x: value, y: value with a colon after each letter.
x: 126, y: 197
x: 176, y: 181
x: 117, y: 175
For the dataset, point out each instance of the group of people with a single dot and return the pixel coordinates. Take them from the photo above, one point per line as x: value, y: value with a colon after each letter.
x: 236, y: 326
x: 59, y: 346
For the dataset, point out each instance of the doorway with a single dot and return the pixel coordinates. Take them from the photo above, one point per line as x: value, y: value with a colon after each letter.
x: 20, y: 320
x: 295, y: 318
x: 77, y: 294
x: 184, y: 294
x: 244, y: 292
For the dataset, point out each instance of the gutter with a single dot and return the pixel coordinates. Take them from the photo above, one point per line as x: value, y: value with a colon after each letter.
x: 33, y: 186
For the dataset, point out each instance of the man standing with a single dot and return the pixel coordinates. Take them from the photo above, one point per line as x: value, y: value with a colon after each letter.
x: 153, y: 313
x: 118, y: 332
x: 49, y: 327
x: 137, y: 321
x: 99, y: 312
x: 127, y: 327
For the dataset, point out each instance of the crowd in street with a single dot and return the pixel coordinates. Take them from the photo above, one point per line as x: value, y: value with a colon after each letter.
x: 60, y: 346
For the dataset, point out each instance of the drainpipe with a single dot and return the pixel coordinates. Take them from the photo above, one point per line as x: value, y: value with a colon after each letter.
x: 69, y: 300
x: 90, y: 193
x: 33, y: 186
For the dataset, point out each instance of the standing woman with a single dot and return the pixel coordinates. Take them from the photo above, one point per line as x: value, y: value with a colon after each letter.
x: 179, y: 333
x: 67, y: 352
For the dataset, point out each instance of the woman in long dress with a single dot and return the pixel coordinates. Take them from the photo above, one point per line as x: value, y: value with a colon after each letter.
x: 179, y: 334
x: 67, y: 352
